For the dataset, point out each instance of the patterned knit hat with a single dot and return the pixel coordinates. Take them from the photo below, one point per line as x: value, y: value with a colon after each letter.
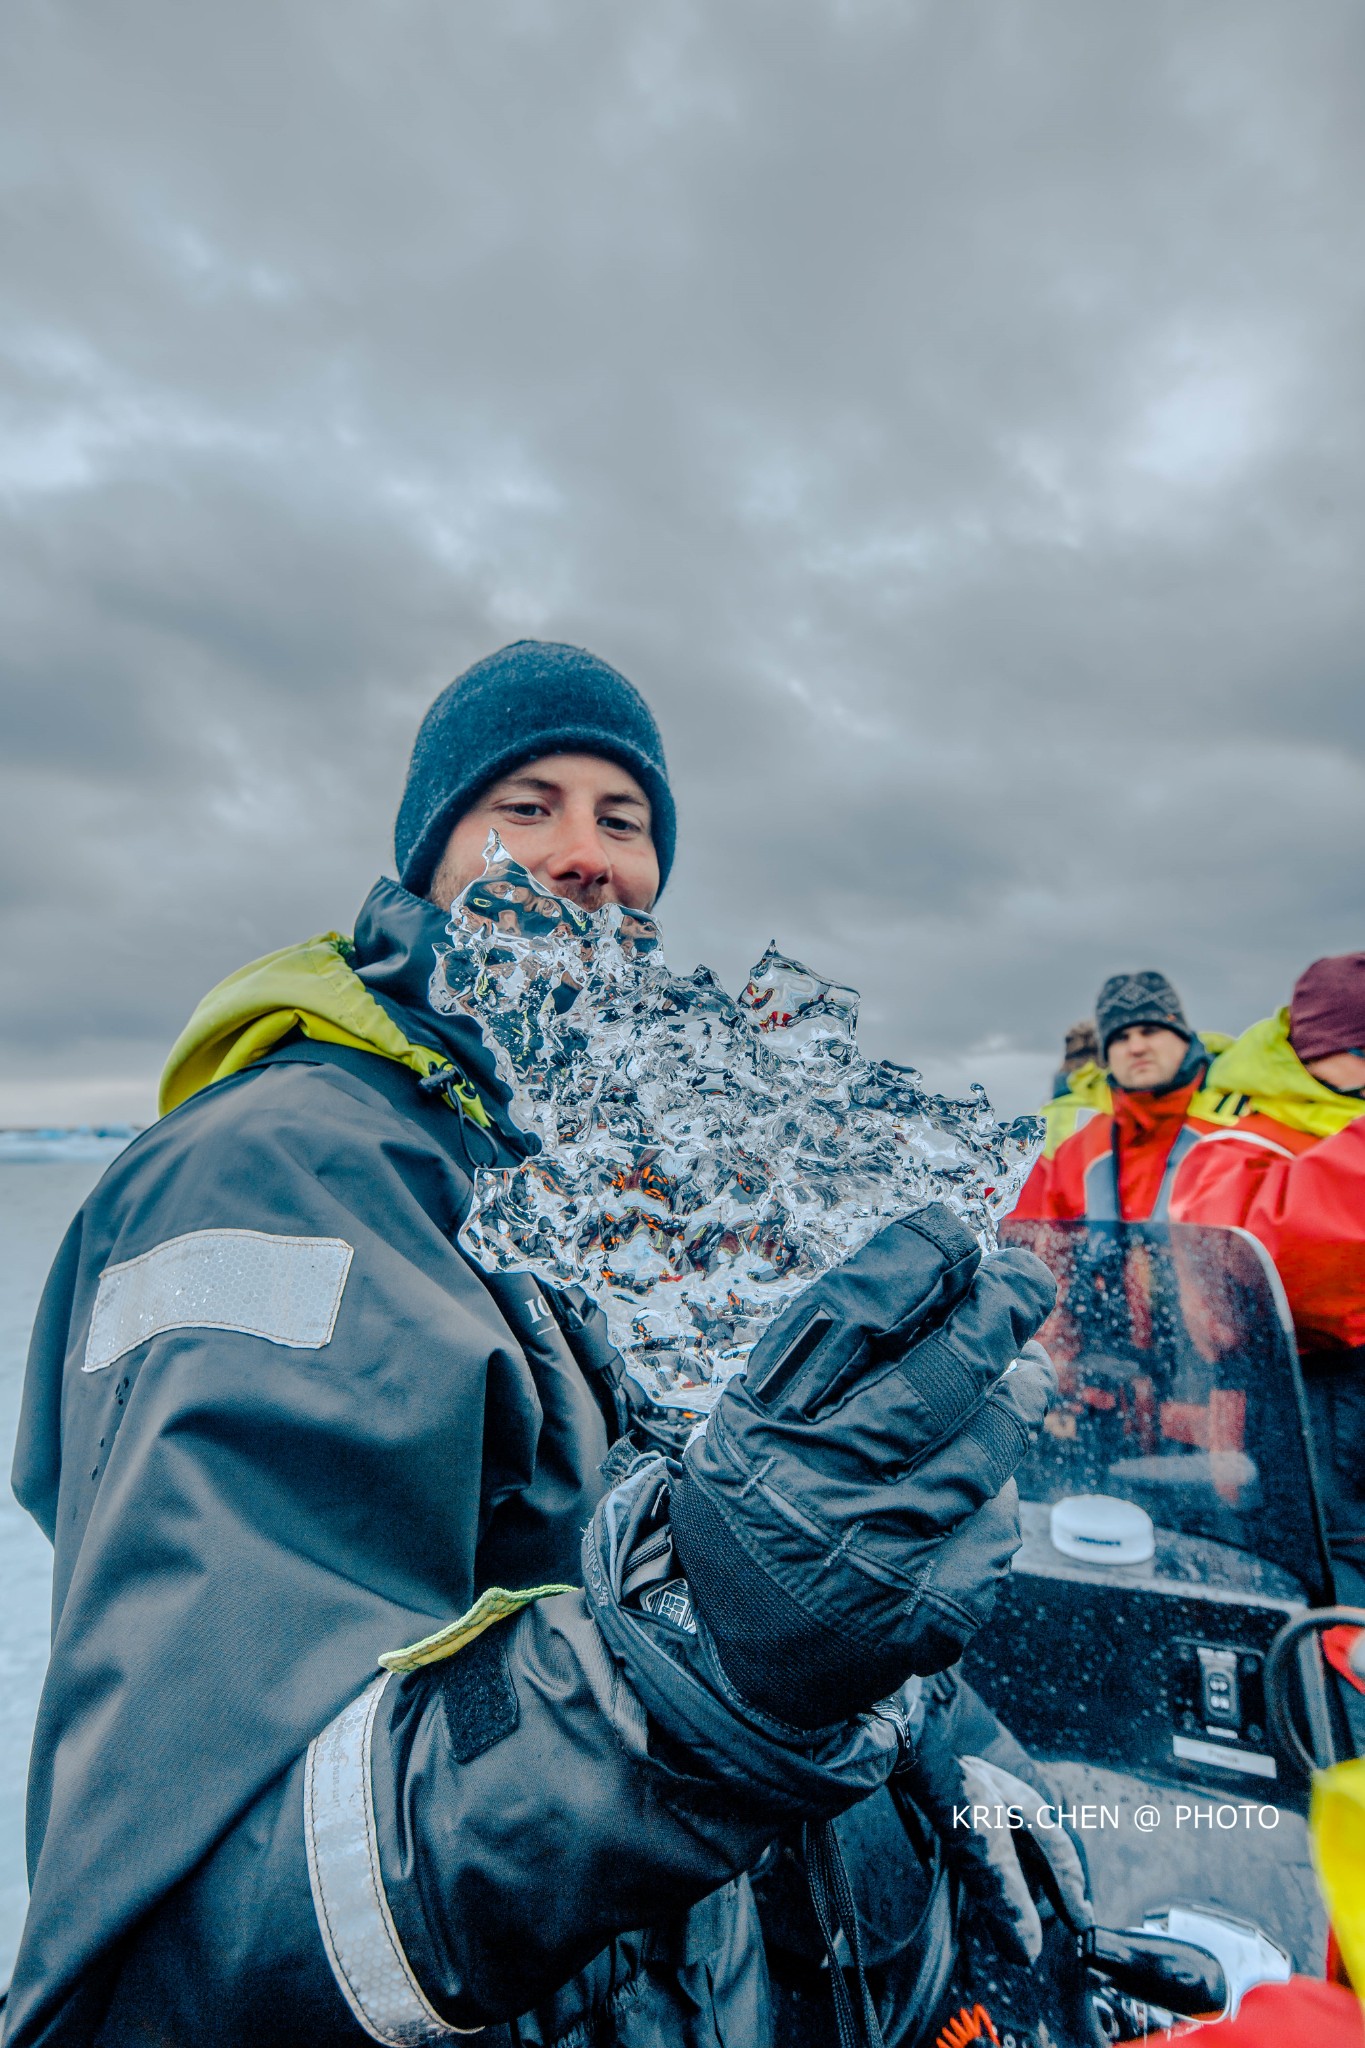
x: 1145, y: 998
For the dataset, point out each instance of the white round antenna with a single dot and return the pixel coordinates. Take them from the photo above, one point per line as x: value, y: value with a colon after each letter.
x: 1105, y: 1530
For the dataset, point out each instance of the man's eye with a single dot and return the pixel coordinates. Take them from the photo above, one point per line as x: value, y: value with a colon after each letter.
x: 614, y: 824
x: 526, y: 810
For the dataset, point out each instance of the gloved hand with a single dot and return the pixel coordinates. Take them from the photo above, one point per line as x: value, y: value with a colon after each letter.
x: 983, y: 1794
x: 846, y: 1517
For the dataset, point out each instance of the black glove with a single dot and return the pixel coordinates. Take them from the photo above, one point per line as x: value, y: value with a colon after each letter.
x: 984, y: 1795
x: 845, y: 1519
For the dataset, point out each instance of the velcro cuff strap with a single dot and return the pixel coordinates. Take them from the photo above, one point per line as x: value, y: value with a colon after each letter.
x: 1003, y: 1438
x: 478, y: 1697
x: 945, y: 1231
x: 948, y: 1387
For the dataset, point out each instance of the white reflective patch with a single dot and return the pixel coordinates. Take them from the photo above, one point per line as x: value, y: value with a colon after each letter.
x: 285, y: 1289
x: 363, y: 1946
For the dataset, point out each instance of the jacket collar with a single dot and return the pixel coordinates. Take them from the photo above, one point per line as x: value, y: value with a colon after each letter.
x: 397, y: 940
x: 1141, y: 1112
x: 1263, y: 1068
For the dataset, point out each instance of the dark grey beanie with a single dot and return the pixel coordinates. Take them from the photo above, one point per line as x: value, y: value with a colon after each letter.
x: 533, y: 698
x: 1144, y: 998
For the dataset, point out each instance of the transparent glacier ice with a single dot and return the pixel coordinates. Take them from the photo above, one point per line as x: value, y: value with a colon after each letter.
x: 702, y: 1158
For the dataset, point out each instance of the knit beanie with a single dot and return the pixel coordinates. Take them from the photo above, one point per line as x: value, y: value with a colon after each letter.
x: 1327, y: 1009
x: 533, y: 698
x: 1145, y: 998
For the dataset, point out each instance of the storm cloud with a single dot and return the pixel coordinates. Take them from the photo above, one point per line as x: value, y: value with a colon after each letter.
x: 950, y: 416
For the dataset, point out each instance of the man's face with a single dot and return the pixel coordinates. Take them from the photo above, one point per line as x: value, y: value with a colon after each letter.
x: 1344, y: 1071
x: 579, y: 824
x: 1145, y: 1056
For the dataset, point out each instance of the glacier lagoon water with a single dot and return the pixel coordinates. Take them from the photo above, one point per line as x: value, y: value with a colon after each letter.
x: 703, y: 1157
x: 40, y: 1191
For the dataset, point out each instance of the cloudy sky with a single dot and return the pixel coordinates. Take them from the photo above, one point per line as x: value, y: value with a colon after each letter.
x: 950, y: 415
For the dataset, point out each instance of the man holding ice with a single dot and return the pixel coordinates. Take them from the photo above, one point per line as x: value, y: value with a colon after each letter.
x: 278, y: 1427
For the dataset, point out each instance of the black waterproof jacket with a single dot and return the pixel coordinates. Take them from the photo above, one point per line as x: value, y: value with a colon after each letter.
x: 276, y: 1425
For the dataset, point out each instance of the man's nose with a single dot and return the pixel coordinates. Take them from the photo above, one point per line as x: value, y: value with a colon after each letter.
x: 579, y: 856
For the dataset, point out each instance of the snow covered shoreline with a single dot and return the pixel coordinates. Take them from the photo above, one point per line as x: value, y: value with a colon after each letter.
x: 40, y: 1145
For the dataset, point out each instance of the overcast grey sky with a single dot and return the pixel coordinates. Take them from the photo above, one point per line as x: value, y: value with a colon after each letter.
x: 949, y: 412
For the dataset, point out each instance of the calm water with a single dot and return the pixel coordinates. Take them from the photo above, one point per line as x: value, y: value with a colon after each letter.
x: 36, y: 1204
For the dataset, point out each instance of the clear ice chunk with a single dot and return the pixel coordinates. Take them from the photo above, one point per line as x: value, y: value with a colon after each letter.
x: 700, y: 1159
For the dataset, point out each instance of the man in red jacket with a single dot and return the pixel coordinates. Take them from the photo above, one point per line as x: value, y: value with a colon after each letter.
x: 1120, y: 1166
x: 1292, y: 1171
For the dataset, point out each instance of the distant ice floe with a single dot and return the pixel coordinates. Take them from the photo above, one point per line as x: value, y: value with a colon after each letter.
x: 703, y: 1157
x: 85, y: 1141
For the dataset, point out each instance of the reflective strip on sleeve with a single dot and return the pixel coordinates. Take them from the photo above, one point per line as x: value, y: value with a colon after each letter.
x: 1247, y: 1138
x: 363, y: 1946
x: 1185, y: 1142
x: 285, y: 1289
x: 1101, y: 1183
